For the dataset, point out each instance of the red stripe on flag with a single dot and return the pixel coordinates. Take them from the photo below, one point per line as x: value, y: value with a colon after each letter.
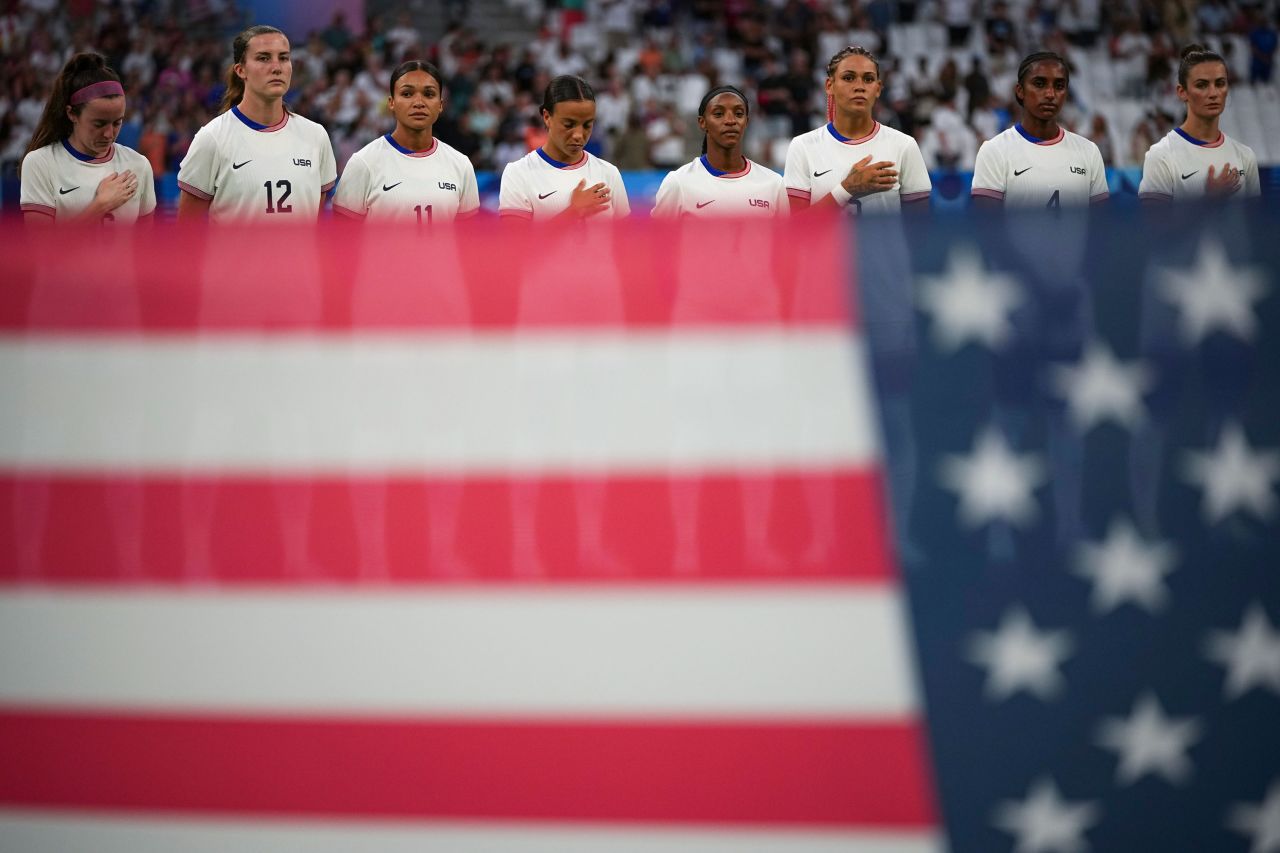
x: 867, y: 774
x: 116, y: 529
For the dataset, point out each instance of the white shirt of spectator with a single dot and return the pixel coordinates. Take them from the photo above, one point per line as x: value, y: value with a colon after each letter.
x: 697, y: 189
x: 59, y: 181
x: 252, y: 171
x: 1177, y: 167
x: 819, y: 160
x: 537, y: 187
x: 385, y: 181
x: 1023, y: 171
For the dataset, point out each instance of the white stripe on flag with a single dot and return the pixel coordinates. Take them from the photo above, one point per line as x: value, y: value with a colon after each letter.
x: 693, y: 651
x: 593, y: 401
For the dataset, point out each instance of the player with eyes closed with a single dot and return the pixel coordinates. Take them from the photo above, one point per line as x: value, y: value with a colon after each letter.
x: 408, y: 175
x: 853, y: 161
x: 1037, y: 162
x: 561, y: 179
x: 257, y: 160
x: 73, y: 170
x: 722, y: 182
x: 1197, y: 159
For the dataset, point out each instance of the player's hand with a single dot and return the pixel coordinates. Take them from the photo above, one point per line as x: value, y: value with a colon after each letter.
x: 589, y: 201
x: 114, y: 190
x: 866, y: 177
x: 1224, y: 183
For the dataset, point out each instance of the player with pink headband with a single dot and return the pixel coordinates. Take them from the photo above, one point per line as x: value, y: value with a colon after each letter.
x: 73, y: 169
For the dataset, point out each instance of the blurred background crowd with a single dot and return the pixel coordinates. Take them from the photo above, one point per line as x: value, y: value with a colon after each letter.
x: 948, y: 67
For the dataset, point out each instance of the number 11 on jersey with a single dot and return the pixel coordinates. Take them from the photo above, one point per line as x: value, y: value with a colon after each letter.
x: 420, y: 210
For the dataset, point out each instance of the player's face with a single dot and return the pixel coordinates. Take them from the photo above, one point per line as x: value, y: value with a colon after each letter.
x: 1206, y: 91
x: 855, y: 86
x: 417, y: 101
x: 96, y: 126
x: 1043, y: 89
x: 267, y: 69
x: 568, y: 128
x: 724, y: 120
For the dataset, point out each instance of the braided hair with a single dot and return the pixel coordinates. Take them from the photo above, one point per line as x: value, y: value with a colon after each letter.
x: 1041, y: 56
x: 840, y: 56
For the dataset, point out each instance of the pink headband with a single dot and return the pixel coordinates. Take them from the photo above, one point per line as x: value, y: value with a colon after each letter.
x: 105, y: 89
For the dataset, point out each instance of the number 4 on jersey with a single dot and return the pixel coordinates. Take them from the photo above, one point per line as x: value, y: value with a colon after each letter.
x: 1053, y: 200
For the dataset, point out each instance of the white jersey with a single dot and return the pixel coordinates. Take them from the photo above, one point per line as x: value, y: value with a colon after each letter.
x: 1177, y: 167
x: 819, y: 160
x: 1020, y: 170
x: 537, y: 187
x: 385, y: 181
x: 59, y: 181
x: 250, y: 171
x: 697, y: 189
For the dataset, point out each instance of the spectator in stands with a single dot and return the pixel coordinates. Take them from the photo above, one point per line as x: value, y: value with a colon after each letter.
x: 1262, y: 46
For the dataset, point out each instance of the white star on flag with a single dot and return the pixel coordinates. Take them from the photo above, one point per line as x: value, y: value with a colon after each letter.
x: 1045, y: 822
x: 1234, y: 476
x: 1018, y: 656
x: 1251, y: 655
x: 1261, y: 821
x: 1125, y: 569
x: 993, y: 482
x: 1150, y: 741
x: 969, y: 302
x: 1100, y: 388
x: 1213, y: 295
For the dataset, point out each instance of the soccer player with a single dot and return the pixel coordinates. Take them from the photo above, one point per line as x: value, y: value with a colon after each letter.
x: 1197, y: 159
x: 257, y: 160
x: 409, y: 175
x: 561, y: 179
x: 722, y: 182
x: 73, y: 169
x: 853, y: 161
x: 1037, y: 162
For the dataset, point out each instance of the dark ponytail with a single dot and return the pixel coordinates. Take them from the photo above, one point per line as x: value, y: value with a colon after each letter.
x: 706, y: 101
x: 1193, y: 55
x: 239, y: 47
x: 83, y: 69
x: 1041, y: 56
x: 415, y: 65
x: 566, y: 87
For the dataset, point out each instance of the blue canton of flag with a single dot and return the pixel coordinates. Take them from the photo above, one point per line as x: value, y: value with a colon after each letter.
x: 1082, y: 423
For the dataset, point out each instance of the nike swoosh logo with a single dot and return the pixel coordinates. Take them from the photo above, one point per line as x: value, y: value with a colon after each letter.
x: 705, y: 203
x: 820, y: 174
x: 387, y: 189
x: 1184, y: 177
x: 61, y: 191
x: 238, y: 165
x: 541, y: 196
x: 1028, y: 169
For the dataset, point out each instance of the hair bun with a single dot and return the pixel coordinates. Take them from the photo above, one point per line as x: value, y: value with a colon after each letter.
x: 86, y: 61
x: 1194, y: 47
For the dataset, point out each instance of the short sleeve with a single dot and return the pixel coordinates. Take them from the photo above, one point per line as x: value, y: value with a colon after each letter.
x: 989, y: 171
x: 913, y: 175
x: 146, y: 187
x: 667, y: 203
x: 782, y: 201
x: 470, y: 202
x: 352, y: 197
x: 1098, y: 190
x: 795, y: 175
x: 328, y: 165
x: 618, y: 193
x: 198, y: 171
x: 1157, y: 177
x: 37, y: 185
x: 513, y: 195
x: 1252, y: 181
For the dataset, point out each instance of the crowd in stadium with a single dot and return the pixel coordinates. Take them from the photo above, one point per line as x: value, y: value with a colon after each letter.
x: 948, y: 69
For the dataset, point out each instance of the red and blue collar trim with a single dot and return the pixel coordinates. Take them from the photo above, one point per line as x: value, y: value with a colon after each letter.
x: 1035, y: 140
x: 719, y: 174
x: 557, y: 164
x: 262, y: 128
x: 88, y: 158
x: 1199, y: 142
x: 435, y: 143
x: 831, y: 128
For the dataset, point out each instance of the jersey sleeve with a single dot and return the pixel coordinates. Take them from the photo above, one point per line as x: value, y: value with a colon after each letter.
x: 618, y: 193
x: 37, y: 185
x: 1252, y: 181
x: 352, y: 197
x: 989, y: 171
x: 513, y: 193
x: 795, y: 175
x: 667, y: 203
x: 782, y: 201
x: 913, y: 175
x: 1098, y: 190
x: 1157, y: 176
x: 146, y: 188
x: 198, y: 171
x: 470, y: 202
x: 328, y: 164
